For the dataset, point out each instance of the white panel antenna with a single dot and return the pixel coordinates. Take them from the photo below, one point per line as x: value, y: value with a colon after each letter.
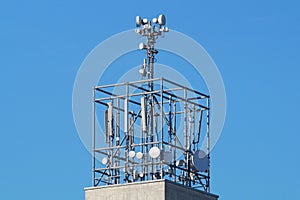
x: 110, y: 119
x: 144, y: 114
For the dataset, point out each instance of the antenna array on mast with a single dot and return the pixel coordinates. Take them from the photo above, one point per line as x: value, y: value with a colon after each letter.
x: 154, y: 128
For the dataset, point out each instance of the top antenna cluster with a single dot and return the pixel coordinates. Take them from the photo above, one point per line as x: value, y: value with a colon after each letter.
x: 150, y: 29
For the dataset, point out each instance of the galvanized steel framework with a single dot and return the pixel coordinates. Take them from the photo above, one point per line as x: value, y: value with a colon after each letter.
x: 143, y: 123
x: 168, y: 101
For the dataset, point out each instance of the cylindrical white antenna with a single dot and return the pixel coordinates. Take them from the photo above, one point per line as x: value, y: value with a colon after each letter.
x: 144, y: 113
x: 110, y: 119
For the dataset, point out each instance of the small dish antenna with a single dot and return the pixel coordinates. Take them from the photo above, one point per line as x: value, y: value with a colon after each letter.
x: 161, y: 20
x: 200, y: 161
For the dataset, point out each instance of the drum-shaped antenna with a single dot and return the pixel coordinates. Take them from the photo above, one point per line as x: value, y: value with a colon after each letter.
x: 131, y: 154
x: 139, y: 155
x: 154, y: 152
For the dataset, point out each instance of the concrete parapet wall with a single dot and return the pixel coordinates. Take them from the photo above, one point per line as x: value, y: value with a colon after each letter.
x: 147, y: 190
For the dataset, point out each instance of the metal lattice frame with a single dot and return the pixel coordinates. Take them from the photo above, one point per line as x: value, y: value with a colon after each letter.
x: 166, y: 106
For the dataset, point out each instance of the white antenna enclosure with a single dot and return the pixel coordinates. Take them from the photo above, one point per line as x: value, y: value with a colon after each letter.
x: 138, y: 21
x: 161, y: 20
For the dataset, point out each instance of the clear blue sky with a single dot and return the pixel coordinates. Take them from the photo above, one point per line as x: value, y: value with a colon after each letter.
x: 255, y: 45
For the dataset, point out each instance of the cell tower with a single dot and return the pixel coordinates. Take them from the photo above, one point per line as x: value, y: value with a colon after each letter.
x: 153, y: 126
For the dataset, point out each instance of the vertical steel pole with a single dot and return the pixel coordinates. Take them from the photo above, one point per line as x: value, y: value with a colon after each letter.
x: 208, y: 142
x: 185, y: 136
x: 117, y: 179
x: 161, y: 123
x: 174, y: 129
x: 126, y: 131
x: 93, y: 138
x: 110, y: 143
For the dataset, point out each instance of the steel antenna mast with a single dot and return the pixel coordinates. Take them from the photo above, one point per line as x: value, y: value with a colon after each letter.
x: 151, y: 30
